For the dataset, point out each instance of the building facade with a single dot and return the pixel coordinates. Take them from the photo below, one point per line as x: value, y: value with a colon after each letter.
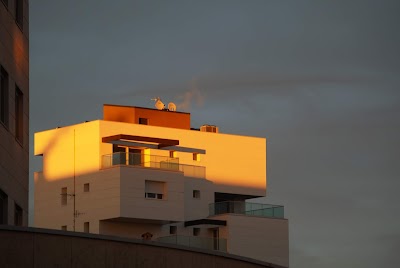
x: 14, y: 111
x: 145, y: 174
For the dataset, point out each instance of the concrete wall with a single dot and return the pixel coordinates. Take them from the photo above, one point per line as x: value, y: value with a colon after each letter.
x: 14, y: 154
x: 255, y: 237
x: 30, y: 247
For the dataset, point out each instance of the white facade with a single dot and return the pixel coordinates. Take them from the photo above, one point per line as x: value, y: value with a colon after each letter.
x: 178, y: 185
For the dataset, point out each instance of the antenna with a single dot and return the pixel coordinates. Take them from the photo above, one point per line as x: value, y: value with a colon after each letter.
x: 158, y: 103
x: 172, y: 107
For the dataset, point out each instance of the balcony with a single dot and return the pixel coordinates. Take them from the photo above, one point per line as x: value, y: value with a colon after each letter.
x: 151, y: 161
x: 245, y: 208
x: 209, y: 243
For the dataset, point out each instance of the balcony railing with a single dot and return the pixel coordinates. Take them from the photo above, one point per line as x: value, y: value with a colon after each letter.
x: 151, y: 161
x: 245, y: 208
x: 195, y: 242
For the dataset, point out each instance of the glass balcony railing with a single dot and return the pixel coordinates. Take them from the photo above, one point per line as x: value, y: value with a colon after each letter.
x: 151, y: 161
x: 245, y: 208
x: 195, y: 242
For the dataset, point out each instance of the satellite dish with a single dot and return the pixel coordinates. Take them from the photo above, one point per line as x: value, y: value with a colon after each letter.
x: 159, y: 104
x: 172, y: 107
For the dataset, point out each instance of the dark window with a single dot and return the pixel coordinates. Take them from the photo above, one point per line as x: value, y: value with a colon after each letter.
x: 196, y: 231
x: 19, y: 133
x: 3, y: 208
x: 172, y: 229
x: 19, y: 12
x: 5, y: 2
x: 64, y: 227
x: 4, y: 97
x: 86, y: 227
x: 64, y: 196
x: 143, y: 121
x: 153, y: 196
x: 196, y: 193
x: 17, y: 215
x: 86, y: 187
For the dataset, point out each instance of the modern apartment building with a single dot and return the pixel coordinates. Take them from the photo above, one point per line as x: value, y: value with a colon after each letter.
x: 146, y: 174
x: 14, y: 111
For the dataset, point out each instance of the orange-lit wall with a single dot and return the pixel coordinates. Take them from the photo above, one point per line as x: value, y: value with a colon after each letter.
x: 161, y: 118
x: 236, y: 164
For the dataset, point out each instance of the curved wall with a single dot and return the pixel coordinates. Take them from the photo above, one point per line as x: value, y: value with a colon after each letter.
x: 33, y: 247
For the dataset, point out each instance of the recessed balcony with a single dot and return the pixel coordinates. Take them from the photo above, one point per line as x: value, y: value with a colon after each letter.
x: 151, y: 161
x: 245, y: 208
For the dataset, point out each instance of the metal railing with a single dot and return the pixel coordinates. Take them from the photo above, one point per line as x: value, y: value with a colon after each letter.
x: 196, y: 242
x: 245, y: 208
x: 151, y: 161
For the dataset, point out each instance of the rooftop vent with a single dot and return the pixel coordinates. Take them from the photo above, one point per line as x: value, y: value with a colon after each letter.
x: 209, y: 128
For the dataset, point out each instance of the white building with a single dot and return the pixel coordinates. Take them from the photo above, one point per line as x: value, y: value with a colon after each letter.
x: 144, y: 173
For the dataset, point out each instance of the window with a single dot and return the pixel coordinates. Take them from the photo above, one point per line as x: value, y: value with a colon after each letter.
x: 17, y: 215
x: 3, y: 96
x: 196, y: 231
x: 3, y: 208
x: 154, y: 189
x: 196, y: 157
x: 172, y: 229
x: 196, y: 193
x: 143, y: 121
x: 19, y: 12
x: 64, y: 196
x: 86, y: 187
x: 86, y: 227
x: 64, y: 228
x: 19, y: 114
x: 5, y: 2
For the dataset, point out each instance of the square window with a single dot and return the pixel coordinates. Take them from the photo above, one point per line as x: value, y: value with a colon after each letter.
x: 86, y: 187
x: 143, y: 121
x: 172, y: 230
x: 86, y: 227
x: 154, y: 189
x: 64, y: 228
x: 196, y: 231
x: 196, y: 193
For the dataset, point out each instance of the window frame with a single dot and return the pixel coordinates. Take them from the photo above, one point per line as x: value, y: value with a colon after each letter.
x: 19, y: 13
x: 4, y: 98
x: 196, y: 194
x: 19, y: 115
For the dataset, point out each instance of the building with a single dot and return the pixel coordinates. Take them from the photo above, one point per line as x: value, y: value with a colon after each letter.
x: 145, y: 174
x: 14, y: 111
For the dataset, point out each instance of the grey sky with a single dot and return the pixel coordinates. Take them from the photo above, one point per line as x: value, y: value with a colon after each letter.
x: 319, y: 79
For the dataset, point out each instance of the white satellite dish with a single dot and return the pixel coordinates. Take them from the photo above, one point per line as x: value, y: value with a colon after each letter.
x: 172, y: 107
x: 159, y: 104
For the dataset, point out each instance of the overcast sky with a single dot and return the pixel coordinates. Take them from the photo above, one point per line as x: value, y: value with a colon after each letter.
x: 319, y: 79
